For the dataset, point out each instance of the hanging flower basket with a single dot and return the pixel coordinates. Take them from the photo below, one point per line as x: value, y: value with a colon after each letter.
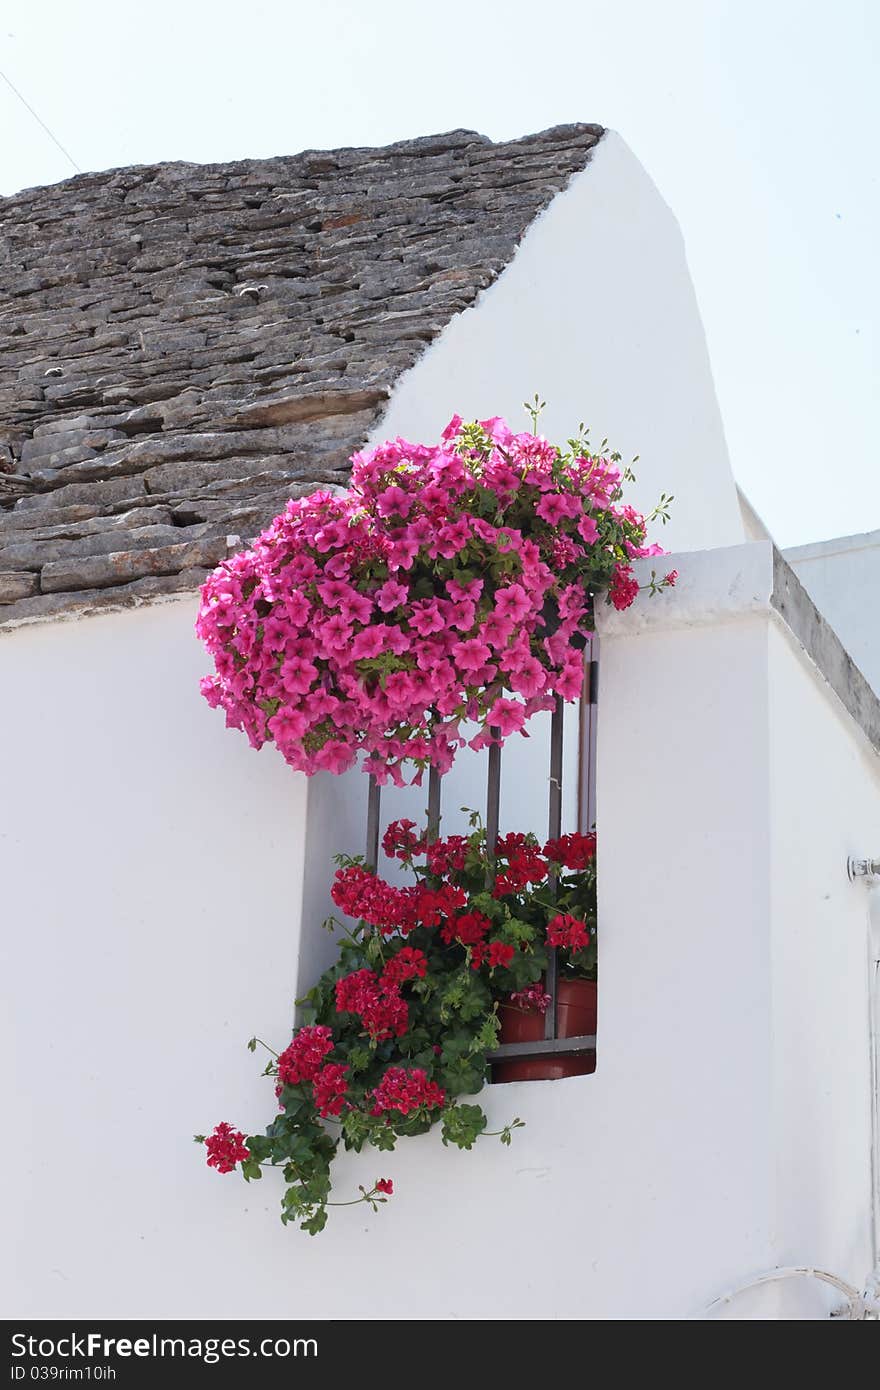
x: 449, y: 585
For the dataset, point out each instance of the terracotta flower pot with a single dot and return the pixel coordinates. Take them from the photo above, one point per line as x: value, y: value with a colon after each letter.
x: 575, y: 1017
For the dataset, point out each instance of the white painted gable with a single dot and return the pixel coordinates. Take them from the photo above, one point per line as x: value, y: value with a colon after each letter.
x: 597, y: 313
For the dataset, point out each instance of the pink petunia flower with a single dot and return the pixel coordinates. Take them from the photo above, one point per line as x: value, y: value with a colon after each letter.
x: 556, y: 506
x: 512, y: 602
x: 507, y: 716
x: 470, y: 654
x: 391, y: 595
x: 588, y: 529
x: 367, y: 644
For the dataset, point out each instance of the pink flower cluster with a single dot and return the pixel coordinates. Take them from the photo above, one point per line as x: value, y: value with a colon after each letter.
x: 447, y: 584
x: 532, y: 997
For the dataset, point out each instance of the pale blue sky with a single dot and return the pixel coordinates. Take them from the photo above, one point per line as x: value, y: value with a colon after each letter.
x: 757, y: 119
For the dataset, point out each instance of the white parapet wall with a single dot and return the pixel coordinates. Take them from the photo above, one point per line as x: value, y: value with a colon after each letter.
x: 842, y: 577
x: 152, y: 904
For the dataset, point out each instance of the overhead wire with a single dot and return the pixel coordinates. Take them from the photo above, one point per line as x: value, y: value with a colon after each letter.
x: 54, y: 138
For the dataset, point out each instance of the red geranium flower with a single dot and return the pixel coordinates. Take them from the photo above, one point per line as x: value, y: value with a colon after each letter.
x: 226, y: 1147
x: 499, y: 953
x: 302, y: 1058
x: 572, y: 851
x: 568, y: 932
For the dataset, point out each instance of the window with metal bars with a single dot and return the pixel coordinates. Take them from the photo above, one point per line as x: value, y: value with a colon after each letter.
x: 553, y: 1043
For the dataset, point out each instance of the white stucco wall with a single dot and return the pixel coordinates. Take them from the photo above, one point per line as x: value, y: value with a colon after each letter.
x: 842, y: 576
x: 753, y: 526
x: 151, y: 869
x: 597, y: 313
x: 786, y: 935
x: 152, y: 880
x: 825, y: 805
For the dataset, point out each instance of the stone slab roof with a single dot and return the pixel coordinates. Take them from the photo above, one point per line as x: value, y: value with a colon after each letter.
x: 184, y: 347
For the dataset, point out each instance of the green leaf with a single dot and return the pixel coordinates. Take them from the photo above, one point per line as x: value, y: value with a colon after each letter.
x: 316, y: 1223
x: 462, y: 1125
x: 383, y: 1139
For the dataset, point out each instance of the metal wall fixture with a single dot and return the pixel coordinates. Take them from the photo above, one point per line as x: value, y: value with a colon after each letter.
x: 868, y: 869
x: 551, y: 1044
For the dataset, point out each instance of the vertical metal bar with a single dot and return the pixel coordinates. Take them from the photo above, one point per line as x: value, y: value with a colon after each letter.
x: 374, y: 795
x: 586, y: 816
x: 557, y: 726
x: 493, y: 797
x: 433, y: 803
x: 583, y: 772
x: 594, y: 726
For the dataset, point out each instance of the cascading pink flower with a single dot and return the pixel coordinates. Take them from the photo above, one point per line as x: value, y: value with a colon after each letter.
x: 447, y: 584
x: 507, y: 716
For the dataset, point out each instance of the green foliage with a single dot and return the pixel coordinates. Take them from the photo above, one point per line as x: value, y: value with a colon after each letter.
x: 451, y: 1017
x: 462, y: 1125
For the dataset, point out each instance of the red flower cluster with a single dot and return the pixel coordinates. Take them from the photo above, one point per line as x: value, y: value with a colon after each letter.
x: 378, y: 1004
x: 624, y: 587
x: 329, y: 1089
x: 572, y: 851
x: 512, y: 843
x: 470, y: 929
x: 302, y: 1059
x: 226, y: 1147
x: 408, y: 964
x: 447, y: 856
x: 399, y: 841
x: 524, y: 866
x: 434, y: 906
x: 359, y: 893
x: 495, y: 953
x: 568, y: 932
x: 405, y: 1090
x: 384, y: 1185
x: 354, y: 992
